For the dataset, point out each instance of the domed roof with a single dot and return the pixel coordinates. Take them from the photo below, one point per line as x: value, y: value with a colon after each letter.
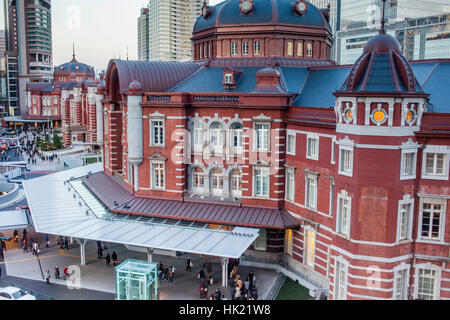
x: 135, y: 87
x: 263, y: 12
x: 382, y: 69
x: 74, y: 67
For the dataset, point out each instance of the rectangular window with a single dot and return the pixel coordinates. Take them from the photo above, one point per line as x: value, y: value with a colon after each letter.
x: 290, y: 48
x: 435, y: 164
x: 300, y: 49
x: 340, y: 281
x: 310, y: 246
x: 343, y: 214
x: 262, y: 136
x: 333, y: 151
x: 309, y: 50
x: 408, y: 165
x: 405, y: 217
x: 431, y: 221
x: 426, y: 284
x: 346, y: 161
x: 331, y: 198
x: 234, y: 48
x: 201, y: 51
x: 261, y: 182
x: 157, y: 127
x: 260, y: 243
x: 198, y: 134
x: 290, y: 143
x: 312, y: 148
x: 290, y: 184
x: 288, y: 242
x: 245, y: 48
x: 311, y: 191
x: 158, y: 176
x: 401, y: 285
x: 257, y: 48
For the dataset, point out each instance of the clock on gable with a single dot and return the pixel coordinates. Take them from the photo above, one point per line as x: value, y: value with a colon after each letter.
x: 246, y: 6
x: 301, y: 6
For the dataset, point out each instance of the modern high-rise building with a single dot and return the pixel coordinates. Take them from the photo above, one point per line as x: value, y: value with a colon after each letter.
x: 170, y: 24
x: 144, y: 35
x: 28, y: 45
x: 422, y: 27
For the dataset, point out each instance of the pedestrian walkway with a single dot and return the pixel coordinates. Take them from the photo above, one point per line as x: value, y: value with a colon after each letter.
x: 96, y: 275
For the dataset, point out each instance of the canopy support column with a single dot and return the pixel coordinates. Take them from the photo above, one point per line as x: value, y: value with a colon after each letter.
x: 82, y: 243
x: 149, y: 254
x: 224, y: 261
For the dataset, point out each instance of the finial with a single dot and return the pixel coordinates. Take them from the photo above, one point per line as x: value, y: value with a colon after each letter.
x: 383, y: 19
x: 73, y: 52
x: 127, y: 53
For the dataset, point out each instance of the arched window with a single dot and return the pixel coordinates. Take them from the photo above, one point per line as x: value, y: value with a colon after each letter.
x: 236, y: 136
x: 216, y: 134
x: 217, y: 181
x: 236, y: 183
x: 198, y: 180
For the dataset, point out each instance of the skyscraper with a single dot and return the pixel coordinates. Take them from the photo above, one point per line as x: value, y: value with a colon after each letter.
x: 170, y: 24
x: 28, y: 45
x: 143, y: 35
x: 422, y: 27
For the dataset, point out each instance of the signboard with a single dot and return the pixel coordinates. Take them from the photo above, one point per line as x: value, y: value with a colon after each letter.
x: 11, y: 111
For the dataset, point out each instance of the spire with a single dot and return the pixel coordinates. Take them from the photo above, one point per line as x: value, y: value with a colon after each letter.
x: 383, y: 19
x: 73, y: 53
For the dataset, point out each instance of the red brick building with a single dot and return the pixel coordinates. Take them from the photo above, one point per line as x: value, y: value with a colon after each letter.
x: 344, y: 169
x: 68, y: 102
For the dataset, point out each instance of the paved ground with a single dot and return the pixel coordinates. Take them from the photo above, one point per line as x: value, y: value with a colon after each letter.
x: 98, y: 276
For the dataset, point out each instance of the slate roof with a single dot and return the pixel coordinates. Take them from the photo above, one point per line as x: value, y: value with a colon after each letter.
x: 120, y: 200
x: 74, y: 67
x: 264, y: 12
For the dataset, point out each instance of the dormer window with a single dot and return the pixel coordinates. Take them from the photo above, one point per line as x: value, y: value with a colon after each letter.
x: 230, y: 77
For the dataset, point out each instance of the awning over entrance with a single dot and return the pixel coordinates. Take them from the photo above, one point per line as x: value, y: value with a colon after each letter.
x: 61, y: 204
x: 15, y: 219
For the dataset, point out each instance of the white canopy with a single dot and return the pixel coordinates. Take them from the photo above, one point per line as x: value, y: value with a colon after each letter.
x: 13, y: 219
x: 60, y: 204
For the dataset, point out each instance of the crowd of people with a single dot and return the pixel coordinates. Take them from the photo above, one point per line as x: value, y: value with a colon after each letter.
x: 28, y: 145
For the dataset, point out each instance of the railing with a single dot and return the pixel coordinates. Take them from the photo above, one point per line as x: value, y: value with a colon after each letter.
x: 222, y: 99
x: 158, y: 98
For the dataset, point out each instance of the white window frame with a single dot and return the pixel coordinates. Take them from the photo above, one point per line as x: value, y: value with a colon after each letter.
x: 343, y: 230
x: 407, y: 200
x: 307, y: 254
x: 436, y: 149
x: 311, y: 176
x: 257, y: 48
x: 201, y: 177
x: 290, y: 184
x: 316, y: 139
x: 234, y: 47
x: 236, y: 192
x: 262, y: 177
x: 347, y: 145
x: 197, y: 135
x: 332, y: 204
x: 437, y: 280
x: 435, y: 201
x: 219, y: 137
x: 245, y: 48
x: 264, y: 137
x: 291, y: 146
x: 237, y: 133
x: 405, y: 269
x: 158, y: 143
x: 220, y: 178
x: 340, y: 264
x: 153, y: 177
x: 333, y: 151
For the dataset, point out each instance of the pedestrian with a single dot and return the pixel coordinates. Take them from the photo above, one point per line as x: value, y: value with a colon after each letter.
x: 114, y: 257
x: 57, y: 272
x: 66, y: 273
x: 24, y: 245
x: 218, y: 295
x: 108, y: 259
x: 1, y: 252
x: 201, y: 275
x: 47, y: 241
x: 204, y: 262
x: 100, y: 252
x: 16, y: 236
x: 66, y: 244
x: 171, y: 275
x: 189, y: 264
x: 47, y: 276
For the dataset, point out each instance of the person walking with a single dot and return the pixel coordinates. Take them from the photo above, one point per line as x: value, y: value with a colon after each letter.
x: 57, y: 272
x: 218, y: 295
x: 114, y: 258
x: 66, y: 273
x: 108, y: 259
x: 100, y: 252
x: 47, y: 241
x: 24, y: 245
x: 201, y: 275
x: 1, y: 252
x: 47, y: 276
x: 66, y: 244
x: 171, y: 275
x: 189, y: 265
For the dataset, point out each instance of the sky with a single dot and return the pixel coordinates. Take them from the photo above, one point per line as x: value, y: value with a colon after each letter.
x: 100, y: 29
